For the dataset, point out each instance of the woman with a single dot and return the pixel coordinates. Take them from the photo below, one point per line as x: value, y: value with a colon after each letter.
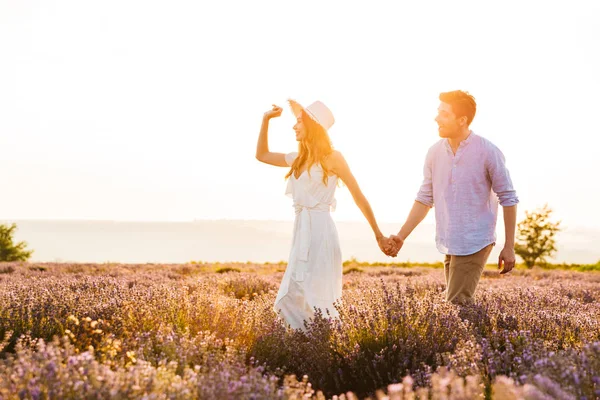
x: 313, y: 277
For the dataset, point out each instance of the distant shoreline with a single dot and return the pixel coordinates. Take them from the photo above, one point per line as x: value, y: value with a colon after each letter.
x: 229, y: 240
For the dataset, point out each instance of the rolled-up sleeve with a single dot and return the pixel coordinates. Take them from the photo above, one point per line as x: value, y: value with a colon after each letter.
x: 425, y: 195
x: 500, y: 177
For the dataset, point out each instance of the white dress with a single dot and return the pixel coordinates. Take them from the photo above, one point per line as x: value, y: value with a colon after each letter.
x: 313, y: 277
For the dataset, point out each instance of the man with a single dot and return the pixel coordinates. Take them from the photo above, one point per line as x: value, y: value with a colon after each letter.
x: 461, y: 174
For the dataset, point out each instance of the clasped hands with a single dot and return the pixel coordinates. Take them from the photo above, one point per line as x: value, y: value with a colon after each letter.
x: 390, y: 246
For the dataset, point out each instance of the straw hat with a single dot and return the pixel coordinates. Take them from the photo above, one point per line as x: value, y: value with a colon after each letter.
x: 318, y: 111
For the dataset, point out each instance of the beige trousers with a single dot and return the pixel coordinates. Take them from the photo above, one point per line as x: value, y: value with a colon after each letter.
x: 463, y: 274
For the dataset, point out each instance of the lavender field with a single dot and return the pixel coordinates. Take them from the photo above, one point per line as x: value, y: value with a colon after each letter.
x: 207, y: 331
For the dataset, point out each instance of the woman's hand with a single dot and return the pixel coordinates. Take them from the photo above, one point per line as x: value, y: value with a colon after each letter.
x: 273, y: 113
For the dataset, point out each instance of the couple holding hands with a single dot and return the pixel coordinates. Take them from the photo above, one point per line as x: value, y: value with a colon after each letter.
x: 464, y: 176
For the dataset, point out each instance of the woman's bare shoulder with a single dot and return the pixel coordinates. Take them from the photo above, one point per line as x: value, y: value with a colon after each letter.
x: 335, y: 161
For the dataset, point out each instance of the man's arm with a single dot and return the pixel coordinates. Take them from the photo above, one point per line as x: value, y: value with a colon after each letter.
x: 510, y: 224
x: 507, y: 258
x: 421, y: 206
x: 507, y: 196
x: 417, y: 214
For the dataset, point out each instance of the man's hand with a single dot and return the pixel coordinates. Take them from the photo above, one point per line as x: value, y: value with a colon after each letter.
x: 506, y: 260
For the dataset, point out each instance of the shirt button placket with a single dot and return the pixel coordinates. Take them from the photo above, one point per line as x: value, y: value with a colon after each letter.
x: 453, y: 175
x: 454, y: 162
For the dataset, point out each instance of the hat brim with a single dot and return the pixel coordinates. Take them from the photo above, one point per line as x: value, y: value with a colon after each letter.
x: 297, y: 109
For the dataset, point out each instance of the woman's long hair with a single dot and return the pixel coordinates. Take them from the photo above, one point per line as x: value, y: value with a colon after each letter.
x: 314, y: 148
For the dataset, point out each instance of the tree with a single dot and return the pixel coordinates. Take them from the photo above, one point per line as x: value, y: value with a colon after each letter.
x: 10, y: 251
x: 535, y: 236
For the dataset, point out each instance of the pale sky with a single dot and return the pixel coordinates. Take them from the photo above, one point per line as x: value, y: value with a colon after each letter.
x: 147, y: 110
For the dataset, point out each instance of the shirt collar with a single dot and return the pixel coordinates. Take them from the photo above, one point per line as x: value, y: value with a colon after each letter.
x: 465, y: 142
x: 469, y: 138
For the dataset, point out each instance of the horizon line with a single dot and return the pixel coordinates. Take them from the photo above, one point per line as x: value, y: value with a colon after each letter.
x: 172, y: 221
x: 581, y: 227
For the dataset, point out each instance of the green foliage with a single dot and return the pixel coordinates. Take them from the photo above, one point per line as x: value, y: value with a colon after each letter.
x: 227, y: 269
x: 10, y: 251
x: 535, y: 237
x: 353, y: 269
